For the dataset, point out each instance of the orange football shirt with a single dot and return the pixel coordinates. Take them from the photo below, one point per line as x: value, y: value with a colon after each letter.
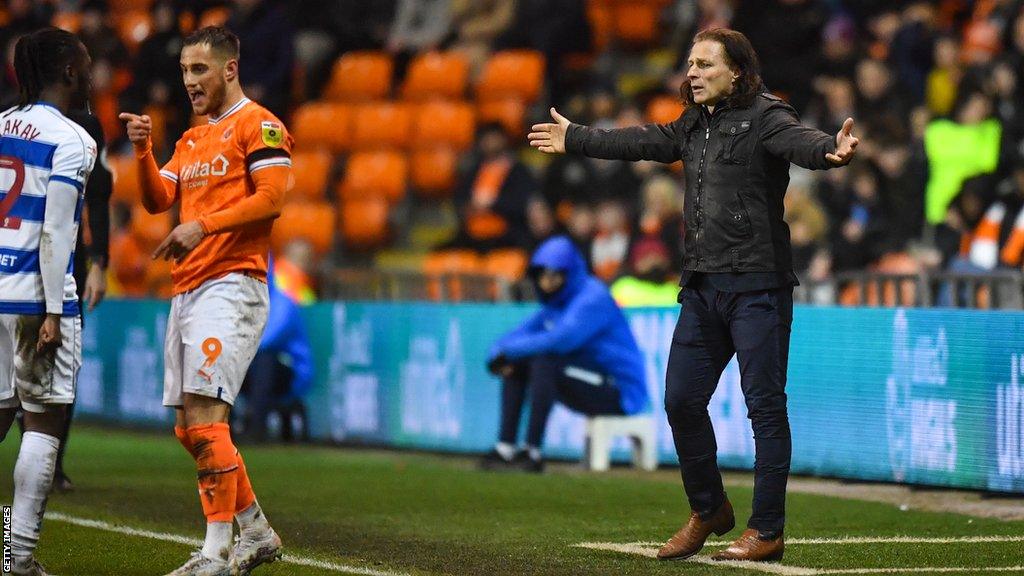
x: 211, y: 167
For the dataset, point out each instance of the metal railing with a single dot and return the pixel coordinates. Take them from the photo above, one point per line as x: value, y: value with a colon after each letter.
x: 1002, y: 289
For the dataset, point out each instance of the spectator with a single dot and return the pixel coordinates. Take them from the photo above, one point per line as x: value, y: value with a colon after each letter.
x: 293, y: 272
x: 959, y: 149
x: 611, y: 240
x: 540, y: 219
x: 578, y: 349
x: 478, y: 23
x: 944, y: 77
x: 661, y: 216
x: 650, y: 280
x: 281, y: 374
x: 419, y: 26
x: 491, y: 197
x: 861, y: 238
x: 882, y: 105
x: 808, y: 224
x: 100, y: 39
x: 156, y: 75
x: 265, y: 60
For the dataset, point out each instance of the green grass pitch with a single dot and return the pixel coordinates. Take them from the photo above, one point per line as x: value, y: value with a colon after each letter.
x: 378, y: 512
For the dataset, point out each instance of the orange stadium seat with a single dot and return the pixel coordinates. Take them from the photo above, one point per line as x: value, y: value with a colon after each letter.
x: 453, y: 262
x: 436, y: 75
x: 434, y: 172
x: 602, y: 23
x: 126, y: 179
x: 216, y: 16
x: 664, y: 109
x: 311, y: 170
x: 509, y: 112
x: 636, y: 23
x: 311, y: 221
x: 322, y: 126
x: 378, y: 174
x: 360, y: 76
x: 70, y: 21
x: 381, y: 125
x: 507, y: 263
x: 364, y: 223
x: 451, y: 124
x: 128, y: 5
x: 133, y: 27
x: 512, y: 73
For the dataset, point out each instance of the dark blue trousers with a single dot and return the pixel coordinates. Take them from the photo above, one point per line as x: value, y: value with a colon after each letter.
x: 713, y: 325
x: 577, y: 385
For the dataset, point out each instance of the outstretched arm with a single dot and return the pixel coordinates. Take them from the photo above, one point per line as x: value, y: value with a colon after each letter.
x: 659, y: 142
x: 784, y: 136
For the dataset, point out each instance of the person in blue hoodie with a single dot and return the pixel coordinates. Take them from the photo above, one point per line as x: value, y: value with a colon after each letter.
x: 282, y: 372
x: 577, y: 349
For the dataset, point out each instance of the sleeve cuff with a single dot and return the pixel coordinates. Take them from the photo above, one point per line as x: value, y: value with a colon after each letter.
x: 206, y: 225
x: 572, y: 137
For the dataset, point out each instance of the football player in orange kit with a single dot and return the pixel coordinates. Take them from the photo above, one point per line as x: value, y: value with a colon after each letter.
x: 230, y: 176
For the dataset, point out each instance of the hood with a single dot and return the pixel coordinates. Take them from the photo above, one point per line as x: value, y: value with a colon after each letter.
x: 559, y: 253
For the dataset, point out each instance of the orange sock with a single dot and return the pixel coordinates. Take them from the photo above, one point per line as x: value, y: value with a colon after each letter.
x: 182, y: 436
x: 244, y: 497
x: 217, y: 467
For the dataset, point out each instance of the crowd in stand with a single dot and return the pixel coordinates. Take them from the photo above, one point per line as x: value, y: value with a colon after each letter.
x: 934, y: 87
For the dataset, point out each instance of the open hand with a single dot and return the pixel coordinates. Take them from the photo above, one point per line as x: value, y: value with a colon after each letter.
x: 846, y: 145
x: 95, y: 286
x: 550, y: 138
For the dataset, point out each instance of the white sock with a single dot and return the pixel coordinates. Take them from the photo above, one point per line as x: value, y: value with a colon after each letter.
x: 533, y: 451
x: 218, y: 541
x: 252, y: 521
x: 33, y: 476
x: 505, y: 450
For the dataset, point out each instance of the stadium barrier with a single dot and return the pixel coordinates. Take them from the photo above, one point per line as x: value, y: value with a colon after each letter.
x: 998, y: 289
x: 925, y: 396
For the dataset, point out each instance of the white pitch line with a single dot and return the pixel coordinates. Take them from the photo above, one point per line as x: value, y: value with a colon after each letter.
x: 875, y: 540
x: 947, y: 570
x: 766, y: 568
x: 195, y: 542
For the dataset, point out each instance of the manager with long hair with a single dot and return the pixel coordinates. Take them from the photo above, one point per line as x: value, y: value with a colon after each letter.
x: 736, y: 141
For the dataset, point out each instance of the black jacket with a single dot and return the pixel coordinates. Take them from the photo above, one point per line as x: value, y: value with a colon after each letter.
x: 737, y: 172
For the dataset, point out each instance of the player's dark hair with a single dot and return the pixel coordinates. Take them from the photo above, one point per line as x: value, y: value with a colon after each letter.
x: 40, y: 59
x: 741, y: 58
x: 218, y: 38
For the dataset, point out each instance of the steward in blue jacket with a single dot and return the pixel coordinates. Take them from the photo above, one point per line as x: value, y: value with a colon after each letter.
x: 281, y: 374
x: 578, y: 349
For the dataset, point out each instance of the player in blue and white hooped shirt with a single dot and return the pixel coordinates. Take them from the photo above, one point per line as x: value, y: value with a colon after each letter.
x: 45, y: 161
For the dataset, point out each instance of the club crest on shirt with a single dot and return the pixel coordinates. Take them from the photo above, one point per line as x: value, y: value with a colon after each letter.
x: 272, y: 133
x: 227, y: 134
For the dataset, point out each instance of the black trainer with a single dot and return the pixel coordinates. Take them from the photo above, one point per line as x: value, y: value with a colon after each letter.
x: 493, y: 460
x: 522, y: 461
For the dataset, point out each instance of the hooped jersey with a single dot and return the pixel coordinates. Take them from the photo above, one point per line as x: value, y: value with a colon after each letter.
x: 38, y: 145
x: 212, y: 167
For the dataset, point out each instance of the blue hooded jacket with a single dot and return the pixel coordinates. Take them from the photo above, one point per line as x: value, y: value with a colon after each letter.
x: 581, y: 321
x: 285, y: 333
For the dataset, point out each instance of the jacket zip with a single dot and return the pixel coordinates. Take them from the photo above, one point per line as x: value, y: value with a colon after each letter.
x: 700, y: 190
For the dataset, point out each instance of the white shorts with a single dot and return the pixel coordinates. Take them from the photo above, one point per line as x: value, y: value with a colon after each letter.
x: 213, y: 333
x: 33, y: 380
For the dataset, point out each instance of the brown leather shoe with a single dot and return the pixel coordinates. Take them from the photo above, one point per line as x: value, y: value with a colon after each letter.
x: 749, y: 547
x: 690, y: 538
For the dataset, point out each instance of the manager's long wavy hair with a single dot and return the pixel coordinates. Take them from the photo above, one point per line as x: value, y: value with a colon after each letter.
x: 741, y: 58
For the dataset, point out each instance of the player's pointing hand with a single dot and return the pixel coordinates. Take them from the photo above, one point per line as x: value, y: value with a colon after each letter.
x: 180, y: 241
x: 139, y: 128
